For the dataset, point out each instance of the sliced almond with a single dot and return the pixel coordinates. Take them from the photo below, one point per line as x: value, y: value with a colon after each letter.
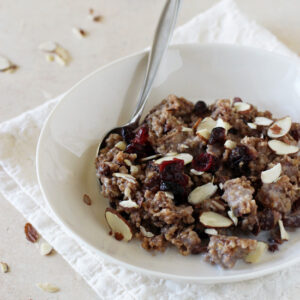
x: 229, y: 144
x: 127, y: 162
x: 134, y: 170
x: 45, y: 249
x: 121, y: 145
x: 272, y: 174
x: 282, y: 148
x: 223, y: 124
x: 4, y: 267
x: 203, y: 133
x: 4, y: 63
x: 233, y: 217
x: 186, y: 157
x: 169, y: 195
x: 184, y: 146
x: 48, y: 46
x: 171, y: 153
x: 262, y: 121
x: 212, y: 219
x: 255, y: 255
x: 201, y: 193
x: 242, y: 106
x: 125, y: 176
x: 207, y: 123
x: 280, y: 128
x: 252, y: 125
x: 284, y: 235
x: 186, y: 129
x: 195, y: 172
x: 47, y: 287
x: 146, y: 233
x: 128, y: 204
x: 211, y: 231
x: 118, y: 224
x: 151, y: 157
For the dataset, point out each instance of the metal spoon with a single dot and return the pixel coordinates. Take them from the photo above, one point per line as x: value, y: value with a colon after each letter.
x: 161, y: 40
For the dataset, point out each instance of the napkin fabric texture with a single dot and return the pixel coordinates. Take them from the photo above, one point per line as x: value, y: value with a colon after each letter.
x: 223, y: 23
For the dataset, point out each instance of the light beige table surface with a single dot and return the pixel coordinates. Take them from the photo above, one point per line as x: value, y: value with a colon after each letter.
x: 127, y: 27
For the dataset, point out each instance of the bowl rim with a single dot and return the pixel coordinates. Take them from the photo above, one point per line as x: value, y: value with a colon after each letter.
x: 200, y: 279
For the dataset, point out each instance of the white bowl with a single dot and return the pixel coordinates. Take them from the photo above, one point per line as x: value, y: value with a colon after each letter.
x: 106, y: 98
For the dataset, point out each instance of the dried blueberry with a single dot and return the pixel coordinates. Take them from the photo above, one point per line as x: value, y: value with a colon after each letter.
x: 200, y: 108
x: 127, y: 134
x: 217, y: 136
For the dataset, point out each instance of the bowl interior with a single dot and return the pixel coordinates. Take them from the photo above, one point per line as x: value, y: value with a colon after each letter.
x: 70, y: 138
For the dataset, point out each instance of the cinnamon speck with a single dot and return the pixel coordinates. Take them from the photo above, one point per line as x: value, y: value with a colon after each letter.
x: 87, y: 200
x: 119, y: 236
x: 98, y: 18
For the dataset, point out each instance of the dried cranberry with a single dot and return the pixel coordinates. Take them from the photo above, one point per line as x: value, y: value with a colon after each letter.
x: 239, y: 158
x: 172, y: 171
x: 217, y: 136
x: 205, y: 162
x: 179, y: 191
x: 127, y: 134
x: 173, y: 179
x: 237, y: 99
x: 200, y: 108
x: 141, y: 136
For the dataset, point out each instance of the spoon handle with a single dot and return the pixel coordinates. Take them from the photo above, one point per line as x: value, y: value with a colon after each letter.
x: 160, y: 43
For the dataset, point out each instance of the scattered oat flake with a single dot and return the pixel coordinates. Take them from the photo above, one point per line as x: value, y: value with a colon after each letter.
x: 97, y: 18
x: 47, y: 287
x: 31, y: 234
x: 45, y: 249
x: 6, y: 65
x: 4, y: 267
x: 87, y: 200
x: 49, y: 57
x: 60, y: 55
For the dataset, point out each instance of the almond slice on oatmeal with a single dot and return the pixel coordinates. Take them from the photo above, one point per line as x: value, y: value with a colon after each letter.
x: 128, y: 204
x: 252, y: 125
x: 281, y: 148
x: 127, y: 177
x: 118, y: 224
x: 146, y: 233
x: 121, y: 145
x: 255, y: 255
x: 284, y: 235
x: 213, y: 219
x: 272, y: 174
x: 229, y: 144
x: 201, y: 193
x: 151, y: 157
x: 223, y: 124
x: 233, y: 217
x: 203, y: 133
x: 242, y: 106
x: 186, y: 129
x: 263, y: 121
x: 207, y: 123
x: 211, y: 231
x: 280, y: 128
x: 186, y: 157
x: 195, y: 172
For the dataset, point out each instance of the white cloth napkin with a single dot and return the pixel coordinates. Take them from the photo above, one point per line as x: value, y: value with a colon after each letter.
x: 18, y: 183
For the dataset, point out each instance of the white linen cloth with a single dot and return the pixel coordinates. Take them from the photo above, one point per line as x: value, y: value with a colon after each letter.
x: 18, y: 183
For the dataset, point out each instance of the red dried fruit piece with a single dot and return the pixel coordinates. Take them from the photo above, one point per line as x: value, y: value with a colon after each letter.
x: 141, y: 136
x: 87, y: 200
x: 205, y: 162
x: 119, y: 236
x: 217, y: 136
x: 30, y: 232
x: 172, y: 171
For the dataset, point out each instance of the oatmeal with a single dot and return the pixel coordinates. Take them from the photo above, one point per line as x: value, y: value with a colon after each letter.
x: 203, y: 177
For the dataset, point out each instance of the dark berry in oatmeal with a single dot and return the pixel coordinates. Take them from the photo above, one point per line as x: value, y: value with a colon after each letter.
x: 200, y: 108
x: 205, y: 162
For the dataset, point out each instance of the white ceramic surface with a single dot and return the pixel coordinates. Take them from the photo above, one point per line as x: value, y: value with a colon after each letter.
x: 106, y: 98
